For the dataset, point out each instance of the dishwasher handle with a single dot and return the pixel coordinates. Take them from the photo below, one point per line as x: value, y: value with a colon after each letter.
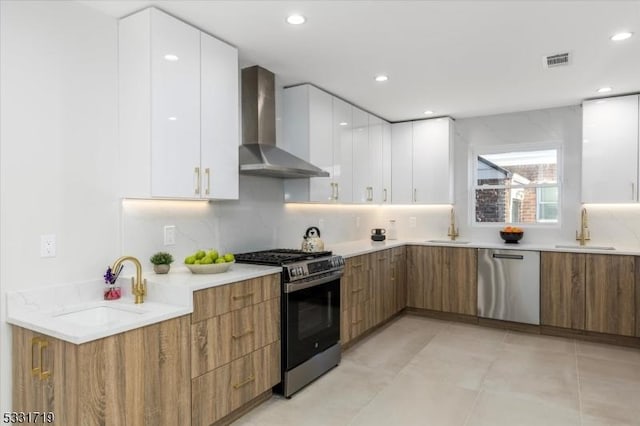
x: 508, y: 256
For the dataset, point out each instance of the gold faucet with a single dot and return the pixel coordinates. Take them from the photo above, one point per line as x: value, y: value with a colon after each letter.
x: 453, y: 231
x: 138, y: 284
x: 585, y: 234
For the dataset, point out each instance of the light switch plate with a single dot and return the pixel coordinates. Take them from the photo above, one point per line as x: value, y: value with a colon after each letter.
x: 412, y: 222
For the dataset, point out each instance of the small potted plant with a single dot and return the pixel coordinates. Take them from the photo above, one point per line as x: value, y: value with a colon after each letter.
x: 161, y: 262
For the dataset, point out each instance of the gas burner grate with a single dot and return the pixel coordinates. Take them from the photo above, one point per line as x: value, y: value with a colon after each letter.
x: 277, y: 256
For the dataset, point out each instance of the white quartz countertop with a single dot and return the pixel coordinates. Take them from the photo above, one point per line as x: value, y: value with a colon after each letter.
x: 78, y: 314
x: 356, y: 248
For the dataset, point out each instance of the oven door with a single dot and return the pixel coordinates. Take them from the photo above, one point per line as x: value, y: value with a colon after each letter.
x: 311, y: 314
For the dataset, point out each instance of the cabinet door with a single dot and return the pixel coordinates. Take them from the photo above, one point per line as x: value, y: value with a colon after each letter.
x: 376, y: 158
x: 342, y: 151
x: 432, y: 161
x: 610, y: 150
x: 386, y: 163
x: 320, y: 143
x: 562, y: 289
x: 460, y: 281
x: 383, y: 296
x: 175, y: 108
x: 399, y: 277
x: 361, y: 157
x: 610, y: 294
x: 219, y: 119
x: 424, y: 287
x: 401, y: 163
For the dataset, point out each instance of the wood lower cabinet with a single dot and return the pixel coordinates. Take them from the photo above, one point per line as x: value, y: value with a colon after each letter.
x: 373, y: 289
x: 399, y: 276
x: 610, y: 294
x: 235, y: 346
x: 356, y: 302
x: 442, y: 279
x: 135, y: 378
x: 460, y: 281
x: 562, y: 289
x: 424, y: 274
x: 592, y: 292
x: 225, y: 389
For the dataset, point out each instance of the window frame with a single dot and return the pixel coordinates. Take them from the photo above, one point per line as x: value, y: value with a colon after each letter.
x: 475, y: 151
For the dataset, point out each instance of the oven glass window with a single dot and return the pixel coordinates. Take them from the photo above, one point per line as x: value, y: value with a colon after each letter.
x: 314, y: 315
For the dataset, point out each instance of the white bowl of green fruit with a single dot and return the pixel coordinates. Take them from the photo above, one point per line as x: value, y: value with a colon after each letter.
x: 209, y: 262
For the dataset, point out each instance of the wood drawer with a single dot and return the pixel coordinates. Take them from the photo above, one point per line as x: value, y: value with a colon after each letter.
x: 222, y: 339
x: 219, y: 392
x: 215, y: 301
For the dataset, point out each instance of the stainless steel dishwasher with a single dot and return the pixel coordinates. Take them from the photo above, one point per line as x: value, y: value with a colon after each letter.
x: 509, y: 285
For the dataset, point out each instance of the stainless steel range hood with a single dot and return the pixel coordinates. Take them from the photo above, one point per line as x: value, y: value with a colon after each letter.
x: 259, y: 154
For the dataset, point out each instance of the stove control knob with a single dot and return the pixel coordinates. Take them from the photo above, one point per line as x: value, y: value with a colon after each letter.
x: 292, y: 272
x: 301, y: 270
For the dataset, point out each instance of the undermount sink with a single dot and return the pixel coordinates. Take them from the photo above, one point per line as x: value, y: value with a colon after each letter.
x: 576, y: 246
x: 100, y: 314
x: 448, y: 242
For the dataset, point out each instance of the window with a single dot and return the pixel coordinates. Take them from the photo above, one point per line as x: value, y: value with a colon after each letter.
x: 516, y: 186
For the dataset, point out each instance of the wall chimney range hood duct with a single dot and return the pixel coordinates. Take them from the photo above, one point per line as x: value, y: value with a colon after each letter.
x: 259, y: 154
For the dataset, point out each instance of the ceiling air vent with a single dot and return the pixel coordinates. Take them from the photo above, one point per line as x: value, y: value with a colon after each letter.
x: 557, y: 60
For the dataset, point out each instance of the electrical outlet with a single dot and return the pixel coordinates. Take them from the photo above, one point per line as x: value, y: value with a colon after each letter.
x: 321, y: 224
x: 48, y: 245
x: 169, y: 235
x: 357, y: 221
x: 412, y: 222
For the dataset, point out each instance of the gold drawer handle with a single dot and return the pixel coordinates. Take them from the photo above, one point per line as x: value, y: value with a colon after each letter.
x: 244, y: 383
x: 246, y: 333
x: 35, y: 371
x: 44, y: 374
x: 357, y: 290
x: 357, y: 265
x: 244, y: 296
x: 356, y: 322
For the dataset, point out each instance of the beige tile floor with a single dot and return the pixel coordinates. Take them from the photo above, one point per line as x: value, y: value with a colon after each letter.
x: 420, y: 371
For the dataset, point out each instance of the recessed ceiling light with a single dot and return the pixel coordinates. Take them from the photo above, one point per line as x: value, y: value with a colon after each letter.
x: 428, y: 112
x: 381, y: 77
x: 621, y: 36
x: 344, y: 123
x: 170, y: 57
x: 296, y: 19
x: 604, y: 89
x: 173, y: 118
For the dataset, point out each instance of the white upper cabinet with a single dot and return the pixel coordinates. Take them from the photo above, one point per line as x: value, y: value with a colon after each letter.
x: 353, y: 146
x: 402, y: 163
x: 179, y: 130
x: 342, y: 151
x: 386, y: 163
x: 219, y: 119
x: 362, y: 176
x: 422, y: 162
x: 308, y: 134
x: 610, y: 150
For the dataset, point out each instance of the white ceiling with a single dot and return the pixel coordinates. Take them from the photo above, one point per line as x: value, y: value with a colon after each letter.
x: 457, y: 58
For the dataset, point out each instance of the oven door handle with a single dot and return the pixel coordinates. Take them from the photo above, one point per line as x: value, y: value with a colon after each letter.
x: 293, y: 287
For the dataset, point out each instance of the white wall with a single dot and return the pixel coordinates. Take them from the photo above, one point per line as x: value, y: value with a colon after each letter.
x: 617, y: 225
x: 57, y: 149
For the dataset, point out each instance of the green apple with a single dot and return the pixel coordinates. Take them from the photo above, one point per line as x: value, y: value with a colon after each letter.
x: 189, y: 260
x: 206, y: 260
x: 196, y: 262
x: 228, y: 257
x: 220, y: 260
x: 213, y: 254
x: 200, y: 254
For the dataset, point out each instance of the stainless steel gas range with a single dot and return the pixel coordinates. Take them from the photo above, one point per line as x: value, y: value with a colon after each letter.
x: 310, y: 321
